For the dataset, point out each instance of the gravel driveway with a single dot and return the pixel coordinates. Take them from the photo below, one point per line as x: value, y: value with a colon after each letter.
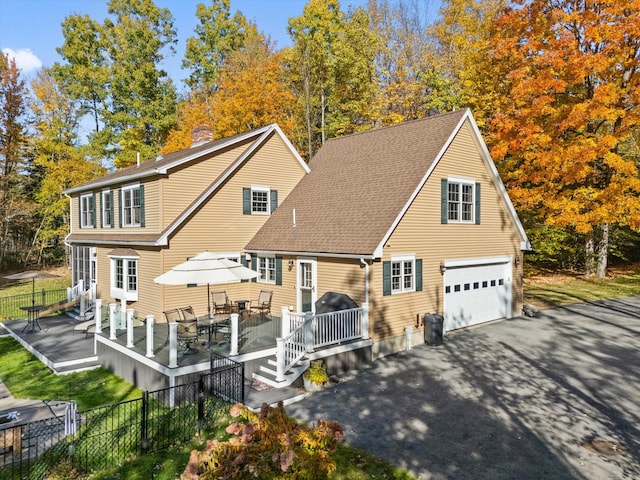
x: 551, y: 397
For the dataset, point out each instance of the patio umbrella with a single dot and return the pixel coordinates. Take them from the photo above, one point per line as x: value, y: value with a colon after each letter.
x: 31, y: 275
x: 206, y: 268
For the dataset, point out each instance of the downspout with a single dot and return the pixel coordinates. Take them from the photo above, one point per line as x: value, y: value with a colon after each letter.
x: 366, y: 279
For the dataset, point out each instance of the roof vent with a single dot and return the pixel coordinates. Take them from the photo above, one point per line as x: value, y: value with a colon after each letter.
x: 201, y: 134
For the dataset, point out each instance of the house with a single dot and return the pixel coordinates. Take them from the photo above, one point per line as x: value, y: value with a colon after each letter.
x: 411, y: 218
x: 407, y: 220
x: 132, y: 225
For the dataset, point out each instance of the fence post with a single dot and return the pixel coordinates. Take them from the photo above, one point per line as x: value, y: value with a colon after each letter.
x: 130, y: 313
x: 144, y: 422
x: 307, y: 331
x: 201, y: 392
x: 173, y: 345
x: 149, y: 321
x: 365, y: 320
x: 112, y: 321
x: 98, y: 315
x: 234, y: 334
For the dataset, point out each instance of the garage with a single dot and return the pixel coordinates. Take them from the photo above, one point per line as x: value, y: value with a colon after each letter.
x: 476, y: 291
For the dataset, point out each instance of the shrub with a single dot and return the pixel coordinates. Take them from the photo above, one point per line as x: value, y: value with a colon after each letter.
x: 268, y: 445
x: 316, y: 373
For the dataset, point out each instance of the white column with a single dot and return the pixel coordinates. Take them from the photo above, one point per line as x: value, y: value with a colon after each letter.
x: 130, y: 313
x: 98, y: 315
x: 279, y: 359
x: 149, y: 321
x: 365, y: 320
x: 233, y: 350
x: 286, y: 322
x: 112, y: 321
x: 173, y: 345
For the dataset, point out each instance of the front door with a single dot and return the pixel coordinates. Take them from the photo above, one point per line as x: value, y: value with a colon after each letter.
x: 307, y: 294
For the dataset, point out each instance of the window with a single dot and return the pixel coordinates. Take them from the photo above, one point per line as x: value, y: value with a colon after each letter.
x: 107, y: 209
x: 267, y: 269
x: 83, y: 265
x: 460, y: 201
x: 402, y: 275
x: 87, y: 211
x: 124, y: 278
x: 259, y: 200
x: 132, y: 211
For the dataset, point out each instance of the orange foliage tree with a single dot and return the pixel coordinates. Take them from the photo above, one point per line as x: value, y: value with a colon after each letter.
x: 568, y: 78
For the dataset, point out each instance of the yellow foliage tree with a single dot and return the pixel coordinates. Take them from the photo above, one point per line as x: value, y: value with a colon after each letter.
x: 567, y: 79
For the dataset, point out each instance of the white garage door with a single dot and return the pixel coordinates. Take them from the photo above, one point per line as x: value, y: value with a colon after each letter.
x: 476, y: 291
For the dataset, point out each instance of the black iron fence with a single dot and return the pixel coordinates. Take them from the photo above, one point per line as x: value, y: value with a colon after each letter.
x: 10, y: 306
x: 101, y: 437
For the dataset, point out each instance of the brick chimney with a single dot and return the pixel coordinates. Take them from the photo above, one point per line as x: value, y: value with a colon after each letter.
x: 201, y: 134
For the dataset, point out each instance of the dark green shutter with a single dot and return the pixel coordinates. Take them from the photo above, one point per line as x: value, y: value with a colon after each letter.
x: 120, y: 208
x: 418, y: 274
x: 142, y: 205
x: 113, y: 217
x: 386, y: 278
x: 254, y: 266
x: 274, y: 200
x: 246, y: 201
x: 93, y: 212
x: 444, y: 197
x: 477, y: 204
x: 278, y: 270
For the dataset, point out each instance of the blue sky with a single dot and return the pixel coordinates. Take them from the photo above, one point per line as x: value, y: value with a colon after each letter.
x: 31, y: 29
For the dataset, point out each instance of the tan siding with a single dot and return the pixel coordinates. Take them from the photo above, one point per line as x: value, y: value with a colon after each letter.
x: 420, y: 232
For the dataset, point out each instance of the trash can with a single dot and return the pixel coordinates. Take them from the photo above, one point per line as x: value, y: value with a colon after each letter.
x: 433, y: 324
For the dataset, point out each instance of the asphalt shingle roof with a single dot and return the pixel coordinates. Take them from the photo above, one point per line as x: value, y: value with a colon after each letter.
x: 357, y: 187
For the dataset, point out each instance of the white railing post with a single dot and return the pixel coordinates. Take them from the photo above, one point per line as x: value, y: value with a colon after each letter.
x: 233, y: 350
x: 83, y: 304
x: 130, y: 313
x: 98, y: 315
x: 69, y: 294
x: 112, y: 321
x: 173, y: 345
x: 149, y: 321
x: 122, y: 323
x: 309, y: 337
x: 286, y: 322
x: 365, y: 320
x: 280, y: 360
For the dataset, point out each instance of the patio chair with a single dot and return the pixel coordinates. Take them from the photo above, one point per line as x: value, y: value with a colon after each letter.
x: 187, y: 313
x: 221, y: 303
x: 187, y: 333
x: 171, y: 316
x: 263, y: 304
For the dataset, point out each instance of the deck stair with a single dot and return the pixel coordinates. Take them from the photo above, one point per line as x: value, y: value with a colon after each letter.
x: 268, y: 373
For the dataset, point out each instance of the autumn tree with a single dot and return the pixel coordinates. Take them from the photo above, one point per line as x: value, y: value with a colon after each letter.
x: 15, y: 208
x: 113, y: 69
x: 568, y: 76
x: 59, y: 161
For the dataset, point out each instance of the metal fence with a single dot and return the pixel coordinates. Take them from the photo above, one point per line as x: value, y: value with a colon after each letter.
x: 10, y: 306
x: 105, y: 436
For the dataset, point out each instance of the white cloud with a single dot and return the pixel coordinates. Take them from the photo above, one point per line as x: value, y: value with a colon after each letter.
x: 26, y: 60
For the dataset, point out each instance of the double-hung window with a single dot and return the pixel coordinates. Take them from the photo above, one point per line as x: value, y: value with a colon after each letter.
x: 124, y: 278
x: 266, y: 269
x: 259, y: 200
x: 460, y: 201
x: 87, y: 211
x: 107, y: 209
x: 403, y: 274
x: 131, y: 210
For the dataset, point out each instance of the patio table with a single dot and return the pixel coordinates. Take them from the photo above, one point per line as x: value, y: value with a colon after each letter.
x: 242, y: 306
x: 33, y: 316
x: 213, y: 324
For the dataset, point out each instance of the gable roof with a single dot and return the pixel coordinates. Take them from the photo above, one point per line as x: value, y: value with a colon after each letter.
x: 254, y: 140
x: 360, y: 186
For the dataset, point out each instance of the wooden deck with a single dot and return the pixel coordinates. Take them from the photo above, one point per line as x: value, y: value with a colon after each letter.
x: 65, y: 351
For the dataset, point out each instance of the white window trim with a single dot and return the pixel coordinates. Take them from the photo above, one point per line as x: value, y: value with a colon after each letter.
x: 462, y: 181
x: 261, y: 188
x: 261, y: 279
x: 125, y: 190
x: 86, y: 221
x: 120, y: 293
x: 104, y: 194
x: 402, y: 259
